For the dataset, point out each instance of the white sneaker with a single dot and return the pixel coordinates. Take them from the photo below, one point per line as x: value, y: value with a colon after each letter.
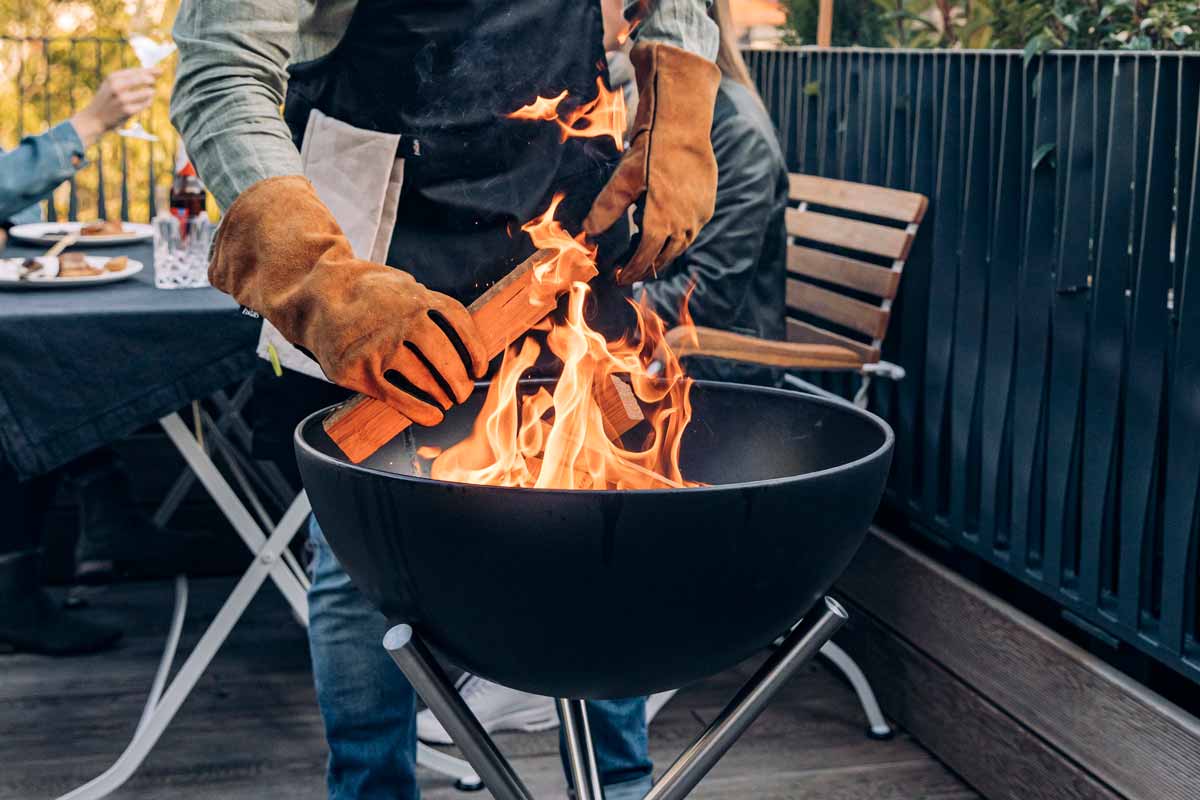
x: 497, y: 708
x: 655, y: 703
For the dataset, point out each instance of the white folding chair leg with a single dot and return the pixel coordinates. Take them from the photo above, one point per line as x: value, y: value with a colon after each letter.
x: 877, y: 725
x: 151, y: 726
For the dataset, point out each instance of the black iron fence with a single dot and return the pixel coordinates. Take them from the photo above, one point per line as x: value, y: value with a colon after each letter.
x: 1049, y: 318
x: 43, y: 81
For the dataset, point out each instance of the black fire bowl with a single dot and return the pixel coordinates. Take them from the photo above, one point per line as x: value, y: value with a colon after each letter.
x: 603, y: 594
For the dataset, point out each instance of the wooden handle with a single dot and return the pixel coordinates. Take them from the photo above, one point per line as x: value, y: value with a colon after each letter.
x: 503, y: 313
x: 738, y: 347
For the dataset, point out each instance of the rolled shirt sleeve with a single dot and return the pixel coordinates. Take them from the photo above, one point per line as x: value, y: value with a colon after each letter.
x: 229, y: 89
x: 681, y: 23
x: 39, y: 163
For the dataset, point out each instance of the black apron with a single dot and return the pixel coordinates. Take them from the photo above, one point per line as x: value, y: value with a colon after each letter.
x: 444, y: 75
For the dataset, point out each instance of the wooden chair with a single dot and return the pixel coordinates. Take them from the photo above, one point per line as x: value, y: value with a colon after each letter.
x: 847, y: 244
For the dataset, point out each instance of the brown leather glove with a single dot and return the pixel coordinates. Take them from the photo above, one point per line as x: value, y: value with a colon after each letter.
x: 670, y: 159
x: 372, y: 328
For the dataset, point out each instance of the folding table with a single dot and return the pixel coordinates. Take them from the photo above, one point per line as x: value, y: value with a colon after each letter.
x: 87, y: 367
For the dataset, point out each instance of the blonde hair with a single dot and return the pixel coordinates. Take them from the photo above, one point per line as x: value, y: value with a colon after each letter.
x: 729, y: 58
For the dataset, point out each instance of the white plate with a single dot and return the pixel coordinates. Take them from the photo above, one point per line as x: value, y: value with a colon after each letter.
x: 48, y: 233
x: 10, y: 269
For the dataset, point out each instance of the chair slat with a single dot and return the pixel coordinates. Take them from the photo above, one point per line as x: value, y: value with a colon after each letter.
x: 866, y: 237
x: 854, y: 314
x: 877, y: 201
x: 801, y: 332
x: 849, y: 272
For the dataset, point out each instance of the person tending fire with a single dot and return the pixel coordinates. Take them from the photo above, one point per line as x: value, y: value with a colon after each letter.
x: 404, y: 200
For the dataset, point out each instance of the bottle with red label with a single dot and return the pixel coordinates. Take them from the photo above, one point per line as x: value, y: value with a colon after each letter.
x: 187, y: 192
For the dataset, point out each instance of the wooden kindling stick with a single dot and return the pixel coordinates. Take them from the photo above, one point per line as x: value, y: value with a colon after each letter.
x: 503, y: 313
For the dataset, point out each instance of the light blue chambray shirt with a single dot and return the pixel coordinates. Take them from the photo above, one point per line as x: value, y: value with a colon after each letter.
x: 232, y: 75
x: 29, y: 172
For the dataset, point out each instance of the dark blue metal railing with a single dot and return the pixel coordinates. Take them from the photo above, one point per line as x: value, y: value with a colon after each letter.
x: 1049, y: 318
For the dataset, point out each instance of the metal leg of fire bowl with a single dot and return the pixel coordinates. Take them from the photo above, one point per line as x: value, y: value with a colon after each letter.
x: 431, y: 683
x: 799, y: 646
x: 581, y: 755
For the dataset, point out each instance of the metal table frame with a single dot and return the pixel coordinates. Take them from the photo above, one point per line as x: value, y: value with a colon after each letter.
x: 267, y: 541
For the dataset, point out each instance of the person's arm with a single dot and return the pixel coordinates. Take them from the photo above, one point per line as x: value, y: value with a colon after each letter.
x: 724, y: 256
x: 229, y: 87
x: 668, y: 170
x: 39, y: 163
x: 279, y: 251
x: 681, y: 23
x: 30, y: 172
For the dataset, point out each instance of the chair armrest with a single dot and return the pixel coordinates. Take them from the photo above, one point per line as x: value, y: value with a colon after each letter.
x: 699, y: 341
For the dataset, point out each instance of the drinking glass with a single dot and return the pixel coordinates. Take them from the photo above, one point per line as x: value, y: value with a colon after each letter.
x: 181, y: 262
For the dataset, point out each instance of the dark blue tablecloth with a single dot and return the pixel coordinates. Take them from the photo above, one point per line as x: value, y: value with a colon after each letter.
x: 83, y: 367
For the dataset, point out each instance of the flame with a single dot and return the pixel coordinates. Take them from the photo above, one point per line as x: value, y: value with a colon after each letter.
x: 604, y: 115
x: 557, y: 440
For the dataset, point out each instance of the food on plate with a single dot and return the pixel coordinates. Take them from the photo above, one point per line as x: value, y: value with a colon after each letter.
x: 102, y: 228
x: 116, y: 264
x: 75, y: 265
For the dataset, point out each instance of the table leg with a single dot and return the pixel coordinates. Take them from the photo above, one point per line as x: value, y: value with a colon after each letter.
x: 233, y: 509
x: 231, y: 409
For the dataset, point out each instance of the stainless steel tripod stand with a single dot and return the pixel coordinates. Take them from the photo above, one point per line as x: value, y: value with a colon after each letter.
x: 431, y: 683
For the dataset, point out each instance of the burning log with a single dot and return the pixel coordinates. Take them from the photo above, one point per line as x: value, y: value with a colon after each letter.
x: 508, y: 309
x: 619, y: 406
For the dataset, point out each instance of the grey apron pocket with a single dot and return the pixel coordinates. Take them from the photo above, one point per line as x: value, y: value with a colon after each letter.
x: 358, y: 177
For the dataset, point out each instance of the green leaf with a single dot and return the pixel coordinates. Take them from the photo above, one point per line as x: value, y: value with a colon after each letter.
x: 1040, y: 43
x: 812, y: 89
x: 1040, y: 154
x: 1069, y: 21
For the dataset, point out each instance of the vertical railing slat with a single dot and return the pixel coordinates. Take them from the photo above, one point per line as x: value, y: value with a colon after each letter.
x: 1069, y: 317
x: 971, y: 260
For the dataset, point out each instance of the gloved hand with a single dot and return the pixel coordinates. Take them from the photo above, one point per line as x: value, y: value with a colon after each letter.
x: 669, y: 161
x: 372, y: 328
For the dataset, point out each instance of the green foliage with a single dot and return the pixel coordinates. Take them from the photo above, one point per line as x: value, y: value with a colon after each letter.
x: 1034, y: 26
x: 1100, y: 25
x: 855, y: 22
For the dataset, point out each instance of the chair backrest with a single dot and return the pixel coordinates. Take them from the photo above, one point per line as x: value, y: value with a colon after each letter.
x: 847, y: 243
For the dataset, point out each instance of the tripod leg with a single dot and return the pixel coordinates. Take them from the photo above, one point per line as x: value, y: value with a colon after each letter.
x: 799, y: 646
x: 431, y: 683
x: 581, y: 755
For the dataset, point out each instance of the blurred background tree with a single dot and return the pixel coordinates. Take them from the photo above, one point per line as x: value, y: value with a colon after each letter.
x: 53, y: 56
x: 855, y: 22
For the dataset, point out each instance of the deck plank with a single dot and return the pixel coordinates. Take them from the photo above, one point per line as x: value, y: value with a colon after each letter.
x: 65, y: 720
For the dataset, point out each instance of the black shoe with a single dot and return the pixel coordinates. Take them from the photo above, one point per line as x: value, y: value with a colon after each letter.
x: 30, y: 620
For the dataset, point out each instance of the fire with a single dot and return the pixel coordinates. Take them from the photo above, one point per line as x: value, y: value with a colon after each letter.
x: 557, y: 440
x: 603, y: 115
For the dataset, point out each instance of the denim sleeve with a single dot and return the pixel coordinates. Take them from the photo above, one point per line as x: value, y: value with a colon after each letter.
x: 229, y: 88
x: 682, y: 23
x: 39, y: 163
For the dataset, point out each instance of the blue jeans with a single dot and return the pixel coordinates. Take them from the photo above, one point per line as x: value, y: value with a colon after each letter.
x: 369, y: 708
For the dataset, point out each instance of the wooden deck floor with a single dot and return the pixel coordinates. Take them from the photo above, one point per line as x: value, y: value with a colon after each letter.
x: 251, y: 729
